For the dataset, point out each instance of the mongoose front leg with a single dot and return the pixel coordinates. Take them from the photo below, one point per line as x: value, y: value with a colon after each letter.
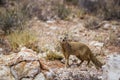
x: 67, y: 61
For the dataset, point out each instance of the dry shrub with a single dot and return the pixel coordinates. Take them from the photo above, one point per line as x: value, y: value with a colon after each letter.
x: 114, y: 38
x: 112, y: 9
x: 92, y: 23
x: 12, y: 18
x: 81, y: 13
x: 90, y: 5
x: 106, y: 9
x: 62, y: 11
x: 43, y: 9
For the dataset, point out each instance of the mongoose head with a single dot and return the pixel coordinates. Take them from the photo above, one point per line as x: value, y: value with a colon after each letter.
x: 63, y: 38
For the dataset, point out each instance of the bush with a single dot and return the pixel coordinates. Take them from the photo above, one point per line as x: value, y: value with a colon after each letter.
x: 112, y: 9
x: 106, y: 9
x: 43, y: 9
x: 23, y: 38
x: 11, y: 19
x: 30, y: 8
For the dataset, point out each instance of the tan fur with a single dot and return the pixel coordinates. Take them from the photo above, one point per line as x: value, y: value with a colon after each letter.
x: 80, y: 50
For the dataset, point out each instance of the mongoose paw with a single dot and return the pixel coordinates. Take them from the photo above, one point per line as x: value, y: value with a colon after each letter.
x: 67, y: 66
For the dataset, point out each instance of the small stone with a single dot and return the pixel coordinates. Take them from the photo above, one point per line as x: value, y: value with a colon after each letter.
x: 1, y: 49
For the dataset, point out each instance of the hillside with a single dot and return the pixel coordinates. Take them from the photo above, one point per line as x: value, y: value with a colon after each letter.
x: 31, y: 31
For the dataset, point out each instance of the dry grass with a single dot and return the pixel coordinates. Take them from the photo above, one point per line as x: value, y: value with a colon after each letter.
x: 23, y: 38
x: 51, y: 55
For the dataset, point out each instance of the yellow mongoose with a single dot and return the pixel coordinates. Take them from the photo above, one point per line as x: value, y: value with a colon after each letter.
x: 80, y: 50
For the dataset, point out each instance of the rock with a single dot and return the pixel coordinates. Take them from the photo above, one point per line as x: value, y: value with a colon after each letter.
x: 23, y: 65
x: 50, y: 21
x: 5, y: 73
x: 25, y: 69
x: 50, y: 75
x: 96, y: 43
x: 111, y: 70
x: 74, y: 74
x: 53, y: 27
x: 40, y: 76
x: 14, y: 58
x: 107, y: 26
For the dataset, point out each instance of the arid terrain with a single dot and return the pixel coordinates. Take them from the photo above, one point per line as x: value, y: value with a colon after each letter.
x: 30, y: 33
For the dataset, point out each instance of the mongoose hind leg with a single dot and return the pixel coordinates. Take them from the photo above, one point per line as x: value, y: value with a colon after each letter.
x: 88, y: 62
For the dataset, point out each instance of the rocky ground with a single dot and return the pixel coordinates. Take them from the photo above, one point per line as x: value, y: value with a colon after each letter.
x: 29, y: 65
x: 50, y: 31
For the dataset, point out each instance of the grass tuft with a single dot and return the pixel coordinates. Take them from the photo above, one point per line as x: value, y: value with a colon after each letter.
x: 21, y: 38
x: 51, y: 55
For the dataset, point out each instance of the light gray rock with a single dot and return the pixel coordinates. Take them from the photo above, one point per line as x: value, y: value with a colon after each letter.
x: 1, y: 49
x: 27, y: 79
x: 107, y: 26
x: 53, y: 27
x: 50, y: 75
x: 111, y: 70
x: 40, y: 76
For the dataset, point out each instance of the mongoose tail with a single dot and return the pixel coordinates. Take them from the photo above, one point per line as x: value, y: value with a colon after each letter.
x: 95, y: 61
